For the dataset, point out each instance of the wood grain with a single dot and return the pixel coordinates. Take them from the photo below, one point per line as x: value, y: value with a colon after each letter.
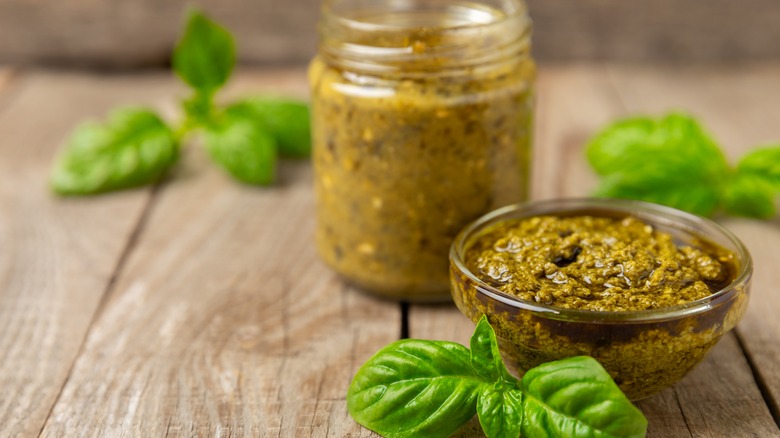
x: 57, y: 256
x: 759, y: 329
x: 224, y: 322
x: 216, y: 317
x: 573, y: 103
x: 718, y: 399
x: 141, y: 33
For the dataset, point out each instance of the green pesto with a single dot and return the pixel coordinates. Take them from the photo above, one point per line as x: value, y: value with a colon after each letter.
x: 403, y: 161
x: 595, y: 263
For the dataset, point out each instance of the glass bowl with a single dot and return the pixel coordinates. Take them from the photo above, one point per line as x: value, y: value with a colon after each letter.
x: 644, y: 351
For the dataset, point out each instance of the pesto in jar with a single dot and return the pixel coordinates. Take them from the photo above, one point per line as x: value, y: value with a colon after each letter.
x: 422, y: 134
x: 596, y: 263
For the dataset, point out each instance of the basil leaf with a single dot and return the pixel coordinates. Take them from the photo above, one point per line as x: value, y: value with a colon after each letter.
x: 750, y: 195
x: 763, y: 163
x: 134, y: 147
x: 205, y: 55
x: 485, y: 355
x: 415, y: 388
x: 500, y: 411
x: 287, y: 120
x: 577, y: 397
x: 609, y: 150
x: 700, y: 197
x: 671, y: 161
x: 243, y: 150
x: 499, y: 406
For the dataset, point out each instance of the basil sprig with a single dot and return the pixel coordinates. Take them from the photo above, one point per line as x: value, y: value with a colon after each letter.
x: 675, y: 162
x: 136, y: 146
x: 419, y: 388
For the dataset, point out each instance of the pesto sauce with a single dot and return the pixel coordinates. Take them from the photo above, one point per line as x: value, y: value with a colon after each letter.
x: 596, y: 263
x: 404, y: 160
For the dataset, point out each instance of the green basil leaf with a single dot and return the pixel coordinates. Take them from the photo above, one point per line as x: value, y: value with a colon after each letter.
x: 764, y: 163
x: 485, y: 355
x: 609, y: 151
x: 576, y: 397
x: 750, y: 195
x: 134, y: 147
x: 499, y: 406
x: 245, y: 151
x: 699, y: 197
x: 671, y: 161
x: 415, y: 388
x: 205, y: 55
x: 287, y: 120
x: 500, y: 411
x: 675, y: 141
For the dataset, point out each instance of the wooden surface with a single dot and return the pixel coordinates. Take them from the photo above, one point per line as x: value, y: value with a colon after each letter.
x: 141, y: 33
x: 199, y: 308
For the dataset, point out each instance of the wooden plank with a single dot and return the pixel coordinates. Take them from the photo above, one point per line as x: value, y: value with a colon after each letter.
x: 224, y: 321
x: 96, y: 33
x: 758, y: 333
x: 573, y: 103
x: 57, y: 256
x: 718, y: 399
x: 740, y: 109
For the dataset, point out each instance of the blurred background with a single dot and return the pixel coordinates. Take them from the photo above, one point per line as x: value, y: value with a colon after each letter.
x: 134, y: 34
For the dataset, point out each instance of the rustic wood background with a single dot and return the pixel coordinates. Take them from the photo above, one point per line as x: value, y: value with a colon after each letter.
x: 199, y: 307
x: 140, y: 33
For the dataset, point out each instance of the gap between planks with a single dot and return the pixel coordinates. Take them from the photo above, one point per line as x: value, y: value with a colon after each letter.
x: 404, y: 308
x: 761, y: 382
x: 58, y: 253
x: 130, y: 243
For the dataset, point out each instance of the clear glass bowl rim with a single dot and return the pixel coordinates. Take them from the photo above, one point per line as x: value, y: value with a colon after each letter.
x: 682, y: 221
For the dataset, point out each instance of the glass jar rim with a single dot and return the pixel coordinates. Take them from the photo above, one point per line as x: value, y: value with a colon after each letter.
x: 414, y: 48
x: 516, y: 8
x: 649, y: 212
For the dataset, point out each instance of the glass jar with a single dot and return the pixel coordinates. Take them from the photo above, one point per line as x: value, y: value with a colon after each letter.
x: 421, y: 114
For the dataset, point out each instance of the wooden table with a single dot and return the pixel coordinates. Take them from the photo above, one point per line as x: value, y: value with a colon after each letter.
x: 199, y: 308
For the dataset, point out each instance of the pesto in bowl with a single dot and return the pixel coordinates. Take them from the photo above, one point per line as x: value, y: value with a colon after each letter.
x: 645, y: 289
